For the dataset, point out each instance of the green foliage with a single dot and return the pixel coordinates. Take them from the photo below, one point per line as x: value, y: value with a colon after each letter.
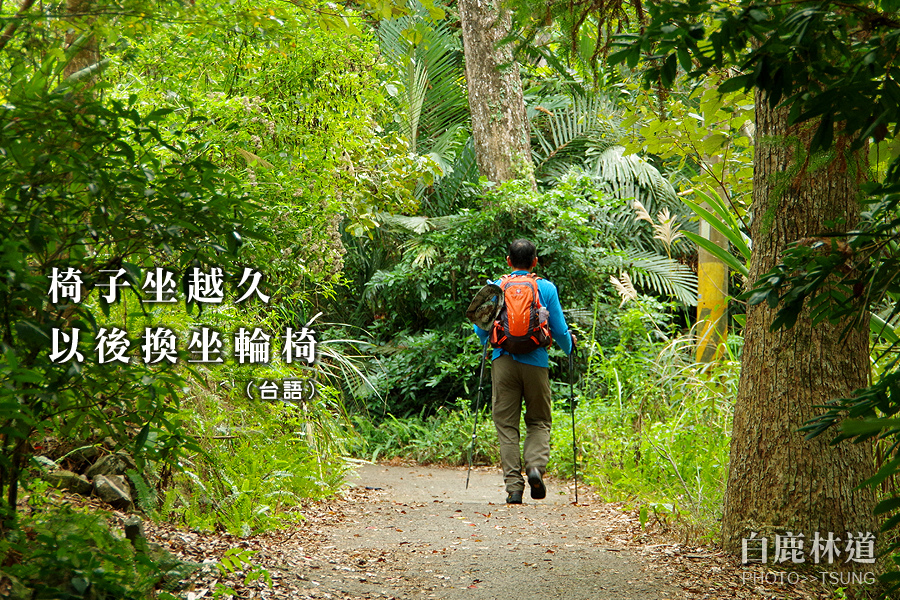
x: 806, y: 56
x: 68, y: 553
x: 419, y: 302
x: 831, y: 68
x: 587, y: 30
x: 652, y: 426
x: 705, y: 135
x: 584, y: 135
x: 663, y: 275
x: 256, y: 463
x: 565, y: 223
x: 95, y: 186
x: 99, y: 178
x: 289, y: 112
x: 423, y: 81
x: 429, y: 92
x: 565, y: 131
x: 422, y: 372
x: 470, y: 248
x: 444, y: 437
x: 725, y: 222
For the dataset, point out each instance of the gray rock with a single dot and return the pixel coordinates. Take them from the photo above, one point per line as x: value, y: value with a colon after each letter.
x: 113, y: 490
x: 134, y: 532
x: 84, y: 455
x: 111, y: 464
x: 46, y: 462
x: 68, y: 480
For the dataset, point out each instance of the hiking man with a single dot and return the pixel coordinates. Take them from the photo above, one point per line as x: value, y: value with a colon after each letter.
x: 525, y: 376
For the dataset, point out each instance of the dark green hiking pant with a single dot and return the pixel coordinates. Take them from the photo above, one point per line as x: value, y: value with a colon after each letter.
x: 514, y: 382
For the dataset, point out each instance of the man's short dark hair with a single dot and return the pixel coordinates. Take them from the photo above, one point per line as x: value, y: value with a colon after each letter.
x: 522, y: 254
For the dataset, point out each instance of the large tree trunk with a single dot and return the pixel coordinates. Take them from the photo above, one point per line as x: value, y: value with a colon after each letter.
x: 499, y: 125
x: 777, y: 481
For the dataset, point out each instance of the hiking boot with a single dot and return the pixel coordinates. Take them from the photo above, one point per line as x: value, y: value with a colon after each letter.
x: 514, y: 498
x: 538, y: 489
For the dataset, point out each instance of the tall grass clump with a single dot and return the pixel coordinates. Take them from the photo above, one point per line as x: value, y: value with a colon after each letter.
x: 257, y: 464
x: 443, y: 438
x: 253, y: 462
x: 653, y: 427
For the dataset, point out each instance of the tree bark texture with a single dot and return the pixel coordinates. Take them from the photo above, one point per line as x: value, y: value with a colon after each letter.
x: 778, y: 482
x: 496, y: 103
x: 88, y: 53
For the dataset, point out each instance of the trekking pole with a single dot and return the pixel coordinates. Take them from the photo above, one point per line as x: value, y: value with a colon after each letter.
x: 572, y: 404
x: 477, y: 410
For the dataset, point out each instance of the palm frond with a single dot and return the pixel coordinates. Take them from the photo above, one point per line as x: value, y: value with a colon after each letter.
x: 450, y: 190
x: 630, y: 176
x: 448, y: 146
x: 421, y: 225
x: 425, y: 255
x: 416, y: 86
x: 663, y: 275
x: 427, y: 57
x: 562, y: 136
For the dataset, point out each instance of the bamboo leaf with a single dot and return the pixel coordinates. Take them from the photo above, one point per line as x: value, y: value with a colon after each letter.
x: 719, y: 252
x: 734, y: 236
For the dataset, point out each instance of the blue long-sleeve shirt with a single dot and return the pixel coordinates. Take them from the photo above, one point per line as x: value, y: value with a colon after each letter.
x: 557, y: 321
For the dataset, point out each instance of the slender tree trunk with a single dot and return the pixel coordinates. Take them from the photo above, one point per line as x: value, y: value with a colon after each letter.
x: 10, y: 30
x: 88, y: 53
x: 778, y: 482
x: 499, y: 124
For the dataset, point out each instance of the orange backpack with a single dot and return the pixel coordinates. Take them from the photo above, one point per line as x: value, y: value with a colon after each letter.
x: 521, y: 326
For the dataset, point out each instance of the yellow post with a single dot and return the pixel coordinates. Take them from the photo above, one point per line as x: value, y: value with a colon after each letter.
x: 712, y: 297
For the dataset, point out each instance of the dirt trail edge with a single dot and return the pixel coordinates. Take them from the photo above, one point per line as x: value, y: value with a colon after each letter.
x: 421, y: 534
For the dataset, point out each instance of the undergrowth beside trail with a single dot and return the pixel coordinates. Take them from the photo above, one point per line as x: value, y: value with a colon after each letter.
x: 443, y: 438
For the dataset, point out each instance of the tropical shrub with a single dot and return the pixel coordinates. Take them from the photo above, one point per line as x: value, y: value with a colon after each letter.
x: 443, y: 261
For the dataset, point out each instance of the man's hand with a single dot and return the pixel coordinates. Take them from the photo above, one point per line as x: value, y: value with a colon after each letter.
x: 573, y: 340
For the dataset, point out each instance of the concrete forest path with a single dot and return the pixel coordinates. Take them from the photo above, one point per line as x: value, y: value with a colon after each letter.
x: 420, y: 534
x: 411, y: 533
